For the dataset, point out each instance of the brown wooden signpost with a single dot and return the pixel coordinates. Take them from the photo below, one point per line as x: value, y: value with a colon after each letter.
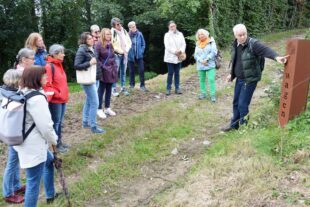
x: 296, y: 79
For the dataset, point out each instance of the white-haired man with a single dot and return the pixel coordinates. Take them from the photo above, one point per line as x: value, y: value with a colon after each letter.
x: 248, y: 58
x: 135, y: 55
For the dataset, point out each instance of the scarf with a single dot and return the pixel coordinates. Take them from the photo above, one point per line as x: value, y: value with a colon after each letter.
x: 202, y: 44
x: 132, y: 34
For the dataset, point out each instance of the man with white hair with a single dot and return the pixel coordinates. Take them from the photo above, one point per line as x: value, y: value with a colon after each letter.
x: 135, y: 55
x: 247, y: 63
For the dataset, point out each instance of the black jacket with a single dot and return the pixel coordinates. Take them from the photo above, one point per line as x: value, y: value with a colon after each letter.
x: 82, y: 58
x: 252, y: 54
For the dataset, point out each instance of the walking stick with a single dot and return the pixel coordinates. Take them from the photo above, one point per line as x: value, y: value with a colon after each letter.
x: 58, y: 165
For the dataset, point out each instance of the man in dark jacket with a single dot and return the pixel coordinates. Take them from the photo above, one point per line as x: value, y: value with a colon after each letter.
x: 135, y: 55
x: 247, y: 64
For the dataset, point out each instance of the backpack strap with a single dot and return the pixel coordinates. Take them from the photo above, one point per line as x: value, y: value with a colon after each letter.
x: 53, y: 70
x: 28, y: 96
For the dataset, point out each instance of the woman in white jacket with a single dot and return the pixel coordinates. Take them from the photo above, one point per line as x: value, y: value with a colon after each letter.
x: 33, y: 154
x: 174, y: 46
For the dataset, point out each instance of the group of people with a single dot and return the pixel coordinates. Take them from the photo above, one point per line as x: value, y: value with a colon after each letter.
x: 109, y: 50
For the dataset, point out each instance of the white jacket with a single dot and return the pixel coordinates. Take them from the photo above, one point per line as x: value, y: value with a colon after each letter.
x: 116, y: 42
x: 173, y: 41
x: 34, y: 150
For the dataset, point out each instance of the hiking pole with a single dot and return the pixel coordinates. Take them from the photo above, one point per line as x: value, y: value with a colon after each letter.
x: 58, y: 165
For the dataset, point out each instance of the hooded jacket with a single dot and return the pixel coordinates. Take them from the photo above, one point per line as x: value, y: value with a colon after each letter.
x: 56, y: 82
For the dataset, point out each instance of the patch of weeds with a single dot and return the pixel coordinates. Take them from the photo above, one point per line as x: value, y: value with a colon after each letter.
x: 293, y: 197
x: 74, y: 87
x: 78, y: 107
x: 86, y: 151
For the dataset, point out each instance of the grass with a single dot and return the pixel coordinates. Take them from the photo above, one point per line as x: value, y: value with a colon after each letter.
x: 155, y: 141
x: 241, y: 168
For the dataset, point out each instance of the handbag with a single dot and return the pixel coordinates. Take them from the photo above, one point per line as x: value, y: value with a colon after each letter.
x: 182, y: 56
x: 87, y: 77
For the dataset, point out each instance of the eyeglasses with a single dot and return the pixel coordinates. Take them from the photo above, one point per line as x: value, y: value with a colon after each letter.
x: 30, y: 58
x: 97, y: 32
x: 118, y: 24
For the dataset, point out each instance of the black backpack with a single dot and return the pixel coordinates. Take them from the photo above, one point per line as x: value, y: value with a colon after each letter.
x: 261, y: 59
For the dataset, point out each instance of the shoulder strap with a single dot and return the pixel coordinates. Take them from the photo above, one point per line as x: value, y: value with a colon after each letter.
x: 28, y: 96
x: 252, y: 41
x: 53, y: 70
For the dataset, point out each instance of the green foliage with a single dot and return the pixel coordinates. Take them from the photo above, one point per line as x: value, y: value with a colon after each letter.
x: 308, y: 34
x: 61, y: 21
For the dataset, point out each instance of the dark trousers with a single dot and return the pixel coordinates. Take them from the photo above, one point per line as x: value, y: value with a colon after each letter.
x: 107, y: 89
x: 131, y: 66
x: 242, y: 99
x: 173, y: 69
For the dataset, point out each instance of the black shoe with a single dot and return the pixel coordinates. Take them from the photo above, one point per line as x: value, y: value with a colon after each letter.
x: 51, y: 200
x: 228, y: 128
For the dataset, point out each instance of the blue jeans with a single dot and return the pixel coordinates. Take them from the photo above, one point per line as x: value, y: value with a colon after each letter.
x: 131, y: 66
x: 242, y: 99
x: 173, y: 69
x: 58, y: 112
x: 11, y: 181
x: 33, y: 178
x: 90, y: 105
x: 121, y: 68
x: 104, y: 88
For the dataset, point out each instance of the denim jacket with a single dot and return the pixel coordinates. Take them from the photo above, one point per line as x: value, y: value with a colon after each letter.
x: 207, y: 53
x: 138, y: 51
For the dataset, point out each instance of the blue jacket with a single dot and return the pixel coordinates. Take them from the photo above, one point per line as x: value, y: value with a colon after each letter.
x: 136, y: 51
x: 40, y: 56
x: 207, y: 53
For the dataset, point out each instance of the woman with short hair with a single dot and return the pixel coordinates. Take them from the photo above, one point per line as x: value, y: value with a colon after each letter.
x: 33, y: 153
x: 84, y: 59
x: 11, y: 186
x: 56, y: 89
x: 205, y: 53
x: 25, y: 58
x: 36, y: 43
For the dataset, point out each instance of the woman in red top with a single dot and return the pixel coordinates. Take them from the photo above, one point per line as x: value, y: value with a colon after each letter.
x: 56, y: 89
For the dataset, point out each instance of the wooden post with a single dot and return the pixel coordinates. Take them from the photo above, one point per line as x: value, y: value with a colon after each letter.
x: 296, y: 79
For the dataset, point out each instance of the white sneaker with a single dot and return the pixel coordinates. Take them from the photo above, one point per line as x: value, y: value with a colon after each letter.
x: 109, y: 112
x: 101, y: 114
x: 115, y: 93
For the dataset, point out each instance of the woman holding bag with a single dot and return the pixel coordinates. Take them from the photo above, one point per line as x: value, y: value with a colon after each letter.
x: 85, y: 60
x: 106, y: 63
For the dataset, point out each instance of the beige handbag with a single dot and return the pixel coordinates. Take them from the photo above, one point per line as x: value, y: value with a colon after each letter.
x: 182, y: 56
x: 88, y: 76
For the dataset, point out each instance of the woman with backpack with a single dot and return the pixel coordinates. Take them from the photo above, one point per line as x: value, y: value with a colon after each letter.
x: 33, y: 153
x: 11, y: 186
x: 106, y: 63
x: 84, y: 60
x: 205, y: 53
x: 36, y: 43
x: 57, y: 90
